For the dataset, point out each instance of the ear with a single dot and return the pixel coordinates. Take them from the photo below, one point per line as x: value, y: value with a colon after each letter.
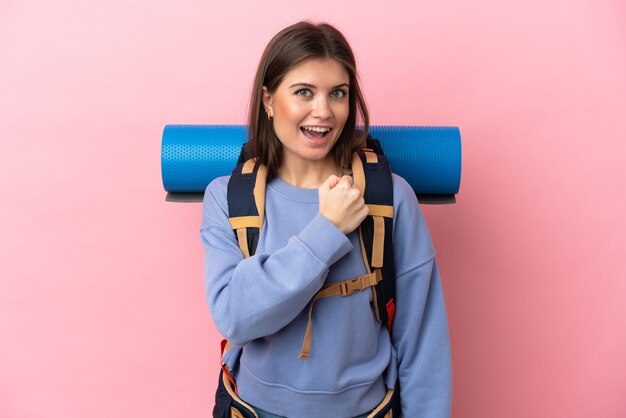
x: 268, y: 101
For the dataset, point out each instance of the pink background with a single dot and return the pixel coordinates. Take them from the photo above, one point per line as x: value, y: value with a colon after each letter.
x: 102, y: 312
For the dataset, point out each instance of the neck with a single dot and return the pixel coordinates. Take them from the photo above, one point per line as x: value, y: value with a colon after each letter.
x: 308, y: 174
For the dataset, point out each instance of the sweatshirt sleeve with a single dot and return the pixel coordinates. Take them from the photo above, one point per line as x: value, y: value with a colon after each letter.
x: 255, y: 297
x: 420, y: 329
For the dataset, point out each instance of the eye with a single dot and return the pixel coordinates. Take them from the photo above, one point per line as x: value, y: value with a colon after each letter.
x: 337, y: 94
x: 303, y: 92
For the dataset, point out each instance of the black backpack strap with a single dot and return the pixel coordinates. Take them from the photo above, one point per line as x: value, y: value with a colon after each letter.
x: 246, y: 203
x: 374, y: 145
x: 244, y: 154
x: 372, y: 175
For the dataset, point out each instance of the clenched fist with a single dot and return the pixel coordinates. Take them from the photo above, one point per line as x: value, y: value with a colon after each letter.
x: 341, y: 203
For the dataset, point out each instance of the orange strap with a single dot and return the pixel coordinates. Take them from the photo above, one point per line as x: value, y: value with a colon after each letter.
x: 381, y: 210
x: 345, y: 288
x: 378, y: 242
x: 242, y: 223
x: 248, y: 166
x: 370, y: 156
x: 259, y: 193
x: 384, y: 403
x: 242, y: 239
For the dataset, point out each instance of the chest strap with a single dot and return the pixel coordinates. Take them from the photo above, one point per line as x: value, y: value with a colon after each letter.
x: 345, y: 288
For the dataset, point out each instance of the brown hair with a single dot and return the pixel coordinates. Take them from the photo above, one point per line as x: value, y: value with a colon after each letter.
x: 288, y: 48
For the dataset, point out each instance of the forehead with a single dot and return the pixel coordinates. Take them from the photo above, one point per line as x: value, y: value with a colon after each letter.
x: 319, y: 72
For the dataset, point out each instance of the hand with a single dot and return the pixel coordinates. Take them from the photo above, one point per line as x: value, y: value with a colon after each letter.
x: 341, y: 203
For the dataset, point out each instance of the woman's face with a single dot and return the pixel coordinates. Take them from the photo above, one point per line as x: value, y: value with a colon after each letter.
x: 309, y: 109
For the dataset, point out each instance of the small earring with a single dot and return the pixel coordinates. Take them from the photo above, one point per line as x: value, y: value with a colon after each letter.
x: 269, y: 115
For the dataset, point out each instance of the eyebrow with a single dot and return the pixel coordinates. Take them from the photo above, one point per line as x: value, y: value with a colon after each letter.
x: 312, y: 86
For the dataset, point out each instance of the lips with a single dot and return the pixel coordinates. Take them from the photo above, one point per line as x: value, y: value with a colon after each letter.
x: 315, y: 132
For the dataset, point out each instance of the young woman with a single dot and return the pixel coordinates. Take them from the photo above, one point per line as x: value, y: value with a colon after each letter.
x: 304, y: 108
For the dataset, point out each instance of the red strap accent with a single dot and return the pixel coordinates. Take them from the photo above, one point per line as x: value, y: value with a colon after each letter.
x: 225, y: 370
x: 391, y: 311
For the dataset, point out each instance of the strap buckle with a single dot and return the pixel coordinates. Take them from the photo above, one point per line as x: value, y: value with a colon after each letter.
x: 351, y: 286
x: 348, y: 287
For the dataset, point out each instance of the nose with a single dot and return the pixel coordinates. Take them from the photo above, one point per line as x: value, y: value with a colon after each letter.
x: 321, y: 108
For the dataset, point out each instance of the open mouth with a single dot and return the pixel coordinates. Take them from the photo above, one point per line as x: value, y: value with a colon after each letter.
x: 315, y: 132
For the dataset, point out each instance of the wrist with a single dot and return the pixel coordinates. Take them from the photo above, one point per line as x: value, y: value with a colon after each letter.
x: 333, y: 222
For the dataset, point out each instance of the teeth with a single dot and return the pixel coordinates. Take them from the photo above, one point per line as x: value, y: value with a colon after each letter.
x: 316, y: 129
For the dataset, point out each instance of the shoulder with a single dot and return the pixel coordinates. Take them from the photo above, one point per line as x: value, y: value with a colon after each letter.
x: 412, y: 240
x: 403, y: 193
x: 215, y: 202
x: 217, y: 188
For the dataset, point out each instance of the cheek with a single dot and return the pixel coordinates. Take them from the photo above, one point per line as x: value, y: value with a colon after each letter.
x: 290, y: 111
x: 342, y: 112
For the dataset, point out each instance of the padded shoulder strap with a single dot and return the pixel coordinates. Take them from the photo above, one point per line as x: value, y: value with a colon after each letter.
x: 372, y: 175
x: 374, y: 145
x: 246, y: 203
x: 244, y: 154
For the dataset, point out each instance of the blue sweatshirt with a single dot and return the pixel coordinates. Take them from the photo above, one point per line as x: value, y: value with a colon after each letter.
x: 260, y: 305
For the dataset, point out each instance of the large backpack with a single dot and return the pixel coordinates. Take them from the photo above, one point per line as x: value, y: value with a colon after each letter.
x: 246, y: 205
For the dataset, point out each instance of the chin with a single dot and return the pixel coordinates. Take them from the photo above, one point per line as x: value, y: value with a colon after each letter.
x: 317, y: 154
